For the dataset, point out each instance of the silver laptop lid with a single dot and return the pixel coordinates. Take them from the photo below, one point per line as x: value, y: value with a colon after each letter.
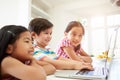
x: 114, y: 49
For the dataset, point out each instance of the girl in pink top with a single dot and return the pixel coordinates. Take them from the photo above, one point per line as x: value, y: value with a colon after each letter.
x: 70, y: 46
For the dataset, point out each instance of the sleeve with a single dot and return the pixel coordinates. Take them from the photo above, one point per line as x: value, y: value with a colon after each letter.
x: 65, y: 43
x: 38, y: 55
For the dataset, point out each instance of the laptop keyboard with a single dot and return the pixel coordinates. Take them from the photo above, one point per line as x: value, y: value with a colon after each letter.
x: 99, y: 71
x: 96, y: 71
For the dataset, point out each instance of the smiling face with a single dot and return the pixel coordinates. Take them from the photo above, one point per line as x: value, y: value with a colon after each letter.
x: 75, y: 35
x: 43, y: 38
x: 22, y: 49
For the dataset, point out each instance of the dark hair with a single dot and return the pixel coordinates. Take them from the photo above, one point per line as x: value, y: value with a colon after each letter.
x: 8, y: 35
x: 74, y: 24
x: 39, y: 24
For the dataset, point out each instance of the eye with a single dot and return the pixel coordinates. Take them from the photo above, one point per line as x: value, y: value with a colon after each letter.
x: 73, y: 34
x: 46, y: 32
x: 50, y: 33
x: 80, y: 35
x: 27, y: 41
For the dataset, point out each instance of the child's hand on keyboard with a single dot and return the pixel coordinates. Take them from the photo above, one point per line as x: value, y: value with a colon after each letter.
x: 87, y: 66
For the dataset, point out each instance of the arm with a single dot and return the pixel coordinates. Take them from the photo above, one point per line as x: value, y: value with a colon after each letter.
x: 85, y: 56
x: 49, y: 68
x: 71, y: 53
x: 68, y: 64
x: 22, y: 71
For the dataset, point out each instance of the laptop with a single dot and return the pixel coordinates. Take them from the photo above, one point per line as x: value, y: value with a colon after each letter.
x: 100, y: 72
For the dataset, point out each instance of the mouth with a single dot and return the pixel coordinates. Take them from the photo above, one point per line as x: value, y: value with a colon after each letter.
x: 31, y: 52
x: 74, y: 42
x: 47, y: 40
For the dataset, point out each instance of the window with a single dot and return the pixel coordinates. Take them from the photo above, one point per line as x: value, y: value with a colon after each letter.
x: 113, y: 20
x: 99, y: 32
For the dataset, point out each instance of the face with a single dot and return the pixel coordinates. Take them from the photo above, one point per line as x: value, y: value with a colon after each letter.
x: 22, y: 48
x: 75, y: 35
x: 43, y: 38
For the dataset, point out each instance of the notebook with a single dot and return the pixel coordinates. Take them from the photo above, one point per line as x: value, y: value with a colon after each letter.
x: 100, y: 72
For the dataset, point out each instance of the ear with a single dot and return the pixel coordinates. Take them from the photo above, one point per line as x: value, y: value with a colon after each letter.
x: 9, y: 49
x: 33, y: 34
x: 65, y: 33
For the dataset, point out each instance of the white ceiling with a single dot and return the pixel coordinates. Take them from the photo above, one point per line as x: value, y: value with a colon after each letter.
x: 79, y: 7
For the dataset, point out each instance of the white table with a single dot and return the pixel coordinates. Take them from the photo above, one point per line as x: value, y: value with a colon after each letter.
x: 114, y: 71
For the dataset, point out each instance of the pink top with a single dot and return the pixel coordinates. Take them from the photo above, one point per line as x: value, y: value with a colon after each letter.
x: 65, y: 43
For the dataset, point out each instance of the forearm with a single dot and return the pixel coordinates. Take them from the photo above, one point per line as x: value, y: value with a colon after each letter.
x: 60, y: 64
x: 87, y: 59
x: 28, y: 71
x: 49, y: 68
x: 72, y: 55
x: 82, y: 58
x: 39, y: 74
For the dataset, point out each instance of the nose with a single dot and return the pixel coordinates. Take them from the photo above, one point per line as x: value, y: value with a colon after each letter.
x: 77, y: 38
x: 50, y: 36
x: 31, y: 46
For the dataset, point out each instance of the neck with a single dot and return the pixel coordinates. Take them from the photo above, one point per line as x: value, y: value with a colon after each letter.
x: 40, y: 45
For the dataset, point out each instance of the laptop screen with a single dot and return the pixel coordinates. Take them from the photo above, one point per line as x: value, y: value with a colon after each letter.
x: 113, y: 47
x: 114, y: 44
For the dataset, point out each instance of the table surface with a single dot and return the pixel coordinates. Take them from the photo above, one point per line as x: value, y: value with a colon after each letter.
x: 113, y: 74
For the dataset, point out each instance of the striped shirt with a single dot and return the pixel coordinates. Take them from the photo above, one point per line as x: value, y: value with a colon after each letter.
x: 40, y: 53
x: 65, y: 43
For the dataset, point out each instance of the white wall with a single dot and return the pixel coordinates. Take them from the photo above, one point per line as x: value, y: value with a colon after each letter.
x: 60, y: 19
x: 15, y: 12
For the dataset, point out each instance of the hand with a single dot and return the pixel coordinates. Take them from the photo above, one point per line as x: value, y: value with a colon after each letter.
x: 34, y: 63
x: 87, y: 66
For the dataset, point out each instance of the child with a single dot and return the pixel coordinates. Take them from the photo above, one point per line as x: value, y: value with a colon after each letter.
x: 41, y: 31
x: 17, y: 62
x: 70, y: 46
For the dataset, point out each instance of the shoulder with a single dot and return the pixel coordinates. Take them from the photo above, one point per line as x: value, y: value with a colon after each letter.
x: 8, y: 60
x: 65, y: 42
x: 9, y: 63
